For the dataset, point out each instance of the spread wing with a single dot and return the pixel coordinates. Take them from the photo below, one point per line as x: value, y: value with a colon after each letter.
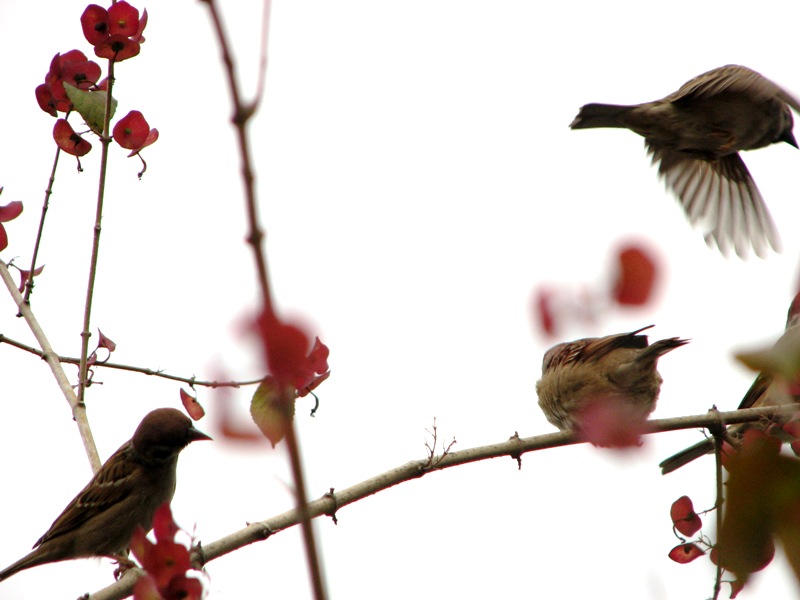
x: 736, y: 79
x: 110, y: 485
x: 721, y: 196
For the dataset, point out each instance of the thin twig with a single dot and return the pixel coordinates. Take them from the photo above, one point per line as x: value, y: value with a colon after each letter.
x: 45, y: 205
x: 718, y: 437
x: 49, y: 355
x: 241, y: 115
x: 192, y: 381
x: 105, y: 141
x: 330, y: 503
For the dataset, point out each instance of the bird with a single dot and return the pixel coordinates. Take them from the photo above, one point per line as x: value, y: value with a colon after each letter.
x: 764, y: 391
x: 695, y: 136
x: 125, y: 493
x: 619, y: 367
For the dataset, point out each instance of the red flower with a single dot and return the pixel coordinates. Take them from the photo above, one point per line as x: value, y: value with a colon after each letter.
x: 72, y: 67
x: 684, y: 519
x: 115, y: 33
x: 7, y: 213
x: 685, y: 553
x: 166, y: 562
x: 117, y: 48
x: 131, y: 131
x: 152, y: 137
x: 69, y: 141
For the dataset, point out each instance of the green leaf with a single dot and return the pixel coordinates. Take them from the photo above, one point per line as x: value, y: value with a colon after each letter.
x: 272, y: 410
x: 91, y: 106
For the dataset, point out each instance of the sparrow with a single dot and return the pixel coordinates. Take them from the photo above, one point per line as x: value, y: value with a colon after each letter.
x: 124, y: 493
x: 619, y: 367
x: 765, y: 391
x: 695, y: 136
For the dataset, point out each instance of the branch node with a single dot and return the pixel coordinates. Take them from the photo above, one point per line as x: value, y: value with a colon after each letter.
x: 516, y: 455
x: 332, y: 512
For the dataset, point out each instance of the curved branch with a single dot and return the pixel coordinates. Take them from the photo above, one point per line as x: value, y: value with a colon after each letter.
x: 51, y: 358
x: 514, y: 447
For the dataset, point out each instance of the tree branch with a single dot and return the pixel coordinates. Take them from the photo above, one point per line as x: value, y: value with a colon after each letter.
x: 192, y: 381
x: 51, y: 358
x: 514, y: 447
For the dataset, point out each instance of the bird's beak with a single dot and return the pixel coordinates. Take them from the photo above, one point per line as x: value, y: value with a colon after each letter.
x: 788, y: 137
x: 195, y: 435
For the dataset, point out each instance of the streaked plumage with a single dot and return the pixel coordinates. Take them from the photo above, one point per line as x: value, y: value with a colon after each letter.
x: 621, y: 366
x: 137, y: 479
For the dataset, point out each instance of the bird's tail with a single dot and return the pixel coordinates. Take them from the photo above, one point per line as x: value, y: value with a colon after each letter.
x: 599, y: 115
x: 687, y: 455
x: 658, y: 349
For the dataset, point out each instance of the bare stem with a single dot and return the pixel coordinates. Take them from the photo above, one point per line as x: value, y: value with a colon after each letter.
x: 718, y: 438
x: 192, y: 381
x: 105, y: 140
x: 45, y: 205
x: 241, y: 115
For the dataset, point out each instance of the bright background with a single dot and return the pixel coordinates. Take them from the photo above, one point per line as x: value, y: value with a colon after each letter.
x: 418, y: 182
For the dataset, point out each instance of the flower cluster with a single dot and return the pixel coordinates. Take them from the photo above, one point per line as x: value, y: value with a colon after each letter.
x: 116, y: 33
x: 166, y: 562
x: 73, y: 68
x: 71, y: 83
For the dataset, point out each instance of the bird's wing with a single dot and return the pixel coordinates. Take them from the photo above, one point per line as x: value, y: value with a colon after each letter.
x: 733, y: 78
x: 600, y: 347
x: 721, y: 196
x: 756, y: 391
x: 110, y: 485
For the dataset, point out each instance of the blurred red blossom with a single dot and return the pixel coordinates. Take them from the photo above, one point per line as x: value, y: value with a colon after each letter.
x: 630, y: 283
x: 636, y: 276
x: 611, y: 422
x: 287, y: 354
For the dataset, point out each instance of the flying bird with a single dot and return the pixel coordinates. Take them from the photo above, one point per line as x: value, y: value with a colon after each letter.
x: 125, y: 493
x: 695, y: 135
x: 619, y: 368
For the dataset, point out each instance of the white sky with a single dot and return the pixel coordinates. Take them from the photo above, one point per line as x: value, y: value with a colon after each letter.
x: 418, y: 181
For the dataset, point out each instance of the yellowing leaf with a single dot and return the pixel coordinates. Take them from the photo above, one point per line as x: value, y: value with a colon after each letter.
x: 91, y: 106
x: 272, y: 410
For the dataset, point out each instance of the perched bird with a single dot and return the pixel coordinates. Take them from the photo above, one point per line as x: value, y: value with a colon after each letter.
x: 765, y: 391
x: 124, y: 493
x: 695, y: 136
x: 618, y: 368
